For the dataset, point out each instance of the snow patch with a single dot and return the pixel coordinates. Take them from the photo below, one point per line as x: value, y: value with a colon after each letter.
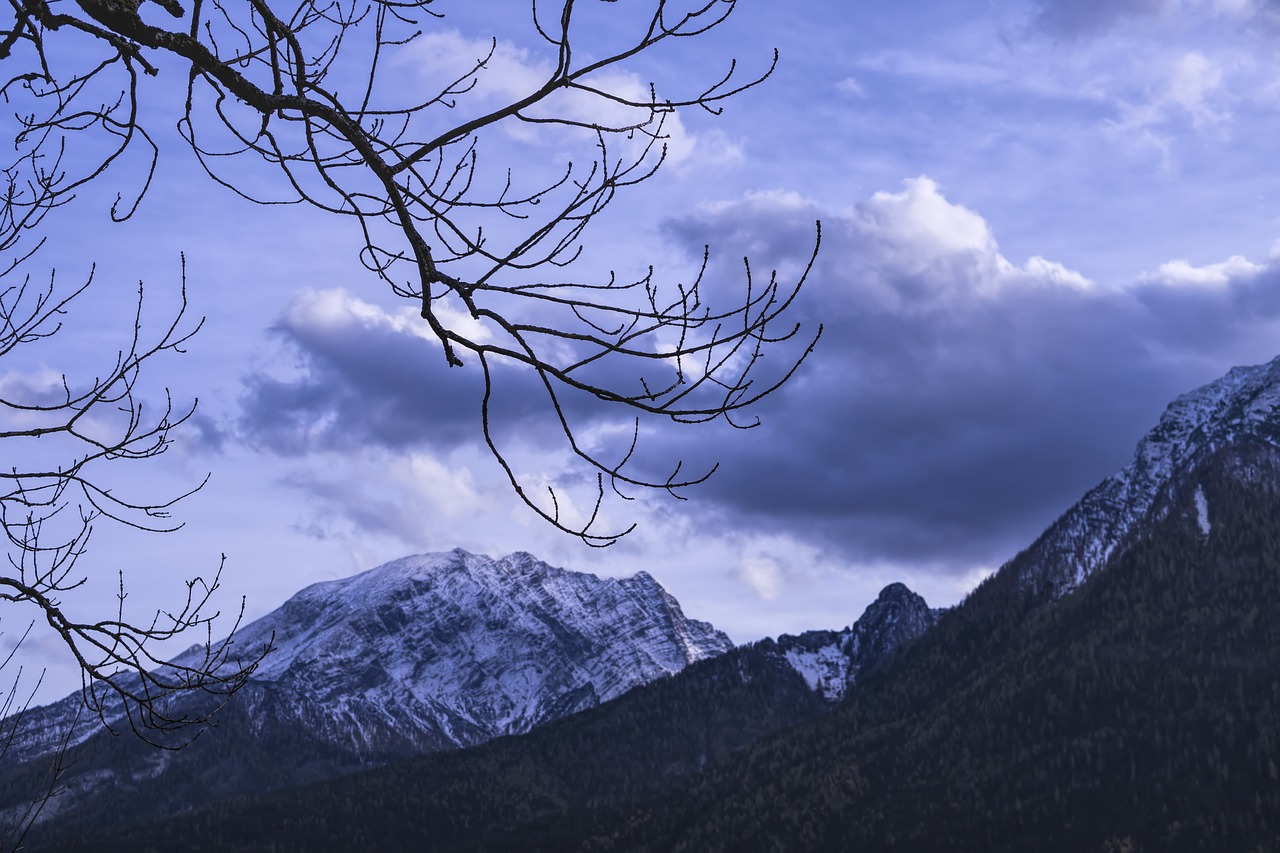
x: 825, y: 669
x: 1202, y: 510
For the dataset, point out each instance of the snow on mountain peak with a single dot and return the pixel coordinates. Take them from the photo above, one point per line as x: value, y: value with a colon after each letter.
x: 830, y: 662
x: 1243, y: 404
x: 485, y: 646
x: 451, y: 649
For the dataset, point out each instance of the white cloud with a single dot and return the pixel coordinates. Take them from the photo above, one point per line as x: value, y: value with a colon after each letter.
x: 762, y: 574
x: 850, y: 86
x: 1181, y: 273
x: 410, y: 497
x: 510, y: 73
x: 505, y: 72
x: 1052, y: 272
x: 1192, y: 88
x: 336, y: 310
x: 920, y: 220
x: 929, y: 252
x: 1195, y: 78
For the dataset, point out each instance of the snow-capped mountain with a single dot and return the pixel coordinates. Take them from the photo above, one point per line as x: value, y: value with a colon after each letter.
x: 453, y: 649
x: 1243, y: 405
x: 426, y: 653
x: 831, y: 661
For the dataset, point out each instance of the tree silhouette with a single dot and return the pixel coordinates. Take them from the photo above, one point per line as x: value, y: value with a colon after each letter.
x: 294, y: 105
x: 65, y: 439
x: 490, y: 252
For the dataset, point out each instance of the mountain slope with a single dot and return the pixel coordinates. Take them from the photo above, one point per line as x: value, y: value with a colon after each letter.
x: 1116, y: 686
x: 633, y: 746
x: 1240, y: 406
x: 1138, y: 714
x: 425, y: 653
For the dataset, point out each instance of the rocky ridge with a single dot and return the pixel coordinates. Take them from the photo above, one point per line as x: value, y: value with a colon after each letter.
x: 1243, y: 405
x: 831, y: 661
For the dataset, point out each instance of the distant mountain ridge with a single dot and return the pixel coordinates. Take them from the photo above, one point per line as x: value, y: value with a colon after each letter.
x: 453, y: 649
x: 661, y: 731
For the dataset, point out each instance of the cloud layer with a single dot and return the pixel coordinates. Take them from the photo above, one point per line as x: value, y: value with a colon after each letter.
x: 960, y: 400
x: 957, y: 403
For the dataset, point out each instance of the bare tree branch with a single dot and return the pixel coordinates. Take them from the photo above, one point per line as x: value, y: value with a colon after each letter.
x: 267, y: 81
x: 69, y: 437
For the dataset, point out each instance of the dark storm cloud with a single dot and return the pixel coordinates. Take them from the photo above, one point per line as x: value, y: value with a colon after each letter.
x: 358, y: 382
x: 959, y: 402
x: 365, y: 377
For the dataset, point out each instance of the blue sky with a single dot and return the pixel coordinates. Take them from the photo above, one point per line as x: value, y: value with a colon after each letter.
x: 1041, y: 221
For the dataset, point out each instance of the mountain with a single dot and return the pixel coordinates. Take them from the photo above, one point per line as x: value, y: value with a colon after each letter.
x: 425, y: 653
x: 831, y: 662
x: 1239, y: 407
x: 631, y: 747
x: 448, y: 650
x: 1137, y: 713
x: 1114, y: 687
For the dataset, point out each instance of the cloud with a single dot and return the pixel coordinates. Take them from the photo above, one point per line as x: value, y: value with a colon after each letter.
x: 403, y: 495
x: 850, y: 86
x: 357, y: 380
x: 1193, y: 89
x: 957, y: 403
x: 1180, y: 272
x: 1194, y: 79
x: 362, y: 376
x: 761, y: 574
x: 1075, y: 18
x: 505, y: 73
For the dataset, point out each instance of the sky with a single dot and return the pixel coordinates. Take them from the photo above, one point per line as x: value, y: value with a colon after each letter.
x: 1041, y: 221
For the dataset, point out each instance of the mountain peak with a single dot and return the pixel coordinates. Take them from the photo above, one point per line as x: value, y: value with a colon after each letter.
x: 1244, y: 402
x: 1240, y: 406
x: 830, y: 661
x: 453, y: 648
x: 895, y: 591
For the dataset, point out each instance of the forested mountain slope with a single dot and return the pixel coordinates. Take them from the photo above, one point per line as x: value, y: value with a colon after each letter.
x: 1116, y: 686
x: 429, y: 652
x: 1140, y: 713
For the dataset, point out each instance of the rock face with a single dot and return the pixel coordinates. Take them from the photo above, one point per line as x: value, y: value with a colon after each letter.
x: 453, y: 649
x: 831, y: 661
x: 1241, y: 407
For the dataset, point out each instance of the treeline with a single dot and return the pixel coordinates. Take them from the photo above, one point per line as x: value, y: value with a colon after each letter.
x: 630, y: 748
x: 1139, y: 714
